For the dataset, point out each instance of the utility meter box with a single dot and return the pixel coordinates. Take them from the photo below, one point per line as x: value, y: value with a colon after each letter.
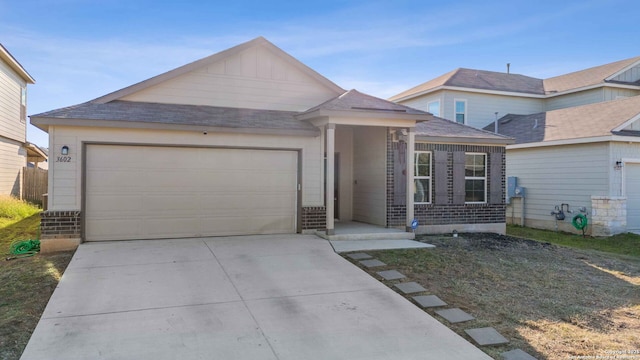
x: 519, y: 192
x: 512, y: 183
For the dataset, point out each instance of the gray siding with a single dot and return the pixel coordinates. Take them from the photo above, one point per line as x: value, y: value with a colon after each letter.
x: 613, y: 93
x: 369, y: 175
x: 574, y: 99
x: 568, y: 174
x: 619, y: 151
x: 631, y: 75
x: 481, y: 108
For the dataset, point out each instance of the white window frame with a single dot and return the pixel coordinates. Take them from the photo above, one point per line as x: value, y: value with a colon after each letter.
x: 439, y: 107
x: 429, y: 177
x: 455, y: 111
x: 484, y: 178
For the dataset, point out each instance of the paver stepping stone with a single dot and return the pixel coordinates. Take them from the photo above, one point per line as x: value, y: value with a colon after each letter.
x: 429, y: 301
x: 372, y: 263
x: 410, y: 287
x: 517, y: 354
x: 391, y: 275
x: 360, y: 256
x: 455, y: 315
x: 486, y: 336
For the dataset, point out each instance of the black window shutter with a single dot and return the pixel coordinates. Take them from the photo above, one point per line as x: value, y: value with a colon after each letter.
x: 440, y: 177
x: 495, y: 192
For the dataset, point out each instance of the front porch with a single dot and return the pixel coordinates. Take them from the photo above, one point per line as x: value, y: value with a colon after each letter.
x: 354, y: 230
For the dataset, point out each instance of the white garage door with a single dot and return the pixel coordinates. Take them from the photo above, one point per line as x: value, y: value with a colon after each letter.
x: 632, y: 186
x: 146, y: 192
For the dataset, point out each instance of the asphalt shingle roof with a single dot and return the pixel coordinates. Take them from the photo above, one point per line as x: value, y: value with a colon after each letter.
x: 354, y: 100
x: 498, y: 81
x: 594, y: 120
x: 587, y: 77
x: 438, y: 127
x: 480, y: 79
x: 175, y: 114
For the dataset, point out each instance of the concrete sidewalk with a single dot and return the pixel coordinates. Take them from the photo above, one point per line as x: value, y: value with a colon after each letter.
x: 251, y: 297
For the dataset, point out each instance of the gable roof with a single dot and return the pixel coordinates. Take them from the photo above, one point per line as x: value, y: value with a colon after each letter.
x: 354, y: 101
x: 587, y: 77
x: 514, y: 83
x: 185, y: 117
x: 580, y: 122
x: 259, y: 41
x: 15, y: 65
x: 478, y: 79
x: 452, y: 132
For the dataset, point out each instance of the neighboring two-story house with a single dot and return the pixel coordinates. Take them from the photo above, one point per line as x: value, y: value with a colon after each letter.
x: 577, y: 138
x: 15, y: 151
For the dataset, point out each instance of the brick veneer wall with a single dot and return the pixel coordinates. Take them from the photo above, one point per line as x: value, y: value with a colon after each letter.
x: 60, y: 224
x: 445, y: 214
x: 314, y: 218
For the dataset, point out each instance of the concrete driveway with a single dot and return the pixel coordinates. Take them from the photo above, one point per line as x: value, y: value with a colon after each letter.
x: 253, y: 297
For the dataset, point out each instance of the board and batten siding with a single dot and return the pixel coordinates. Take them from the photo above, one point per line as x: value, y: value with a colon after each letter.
x: 574, y: 99
x: 554, y: 175
x: 631, y: 75
x: 13, y: 158
x: 481, y: 108
x: 11, y: 125
x: 254, y: 79
x: 370, y: 175
x: 65, y: 178
x: 614, y: 93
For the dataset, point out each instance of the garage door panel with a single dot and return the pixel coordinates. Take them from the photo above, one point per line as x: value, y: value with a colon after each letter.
x: 632, y: 186
x: 187, y: 192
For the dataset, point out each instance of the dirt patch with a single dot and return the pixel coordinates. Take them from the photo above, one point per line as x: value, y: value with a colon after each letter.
x: 551, y: 301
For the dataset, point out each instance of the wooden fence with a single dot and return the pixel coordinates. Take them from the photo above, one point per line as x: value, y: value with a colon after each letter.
x: 34, y: 185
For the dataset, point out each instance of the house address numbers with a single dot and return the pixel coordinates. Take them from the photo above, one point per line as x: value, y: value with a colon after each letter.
x: 63, y: 159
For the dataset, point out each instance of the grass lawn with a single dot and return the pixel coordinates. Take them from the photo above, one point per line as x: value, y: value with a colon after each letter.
x: 551, y: 301
x: 27, y: 283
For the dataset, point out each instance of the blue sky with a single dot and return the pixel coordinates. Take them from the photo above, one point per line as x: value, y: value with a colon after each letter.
x: 78, y: 50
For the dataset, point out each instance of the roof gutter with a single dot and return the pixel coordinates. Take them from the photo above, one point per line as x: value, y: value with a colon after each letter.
x: 43, y: 123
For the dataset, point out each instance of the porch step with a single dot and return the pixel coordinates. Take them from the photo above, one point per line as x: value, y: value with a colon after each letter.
x: 400, y: 235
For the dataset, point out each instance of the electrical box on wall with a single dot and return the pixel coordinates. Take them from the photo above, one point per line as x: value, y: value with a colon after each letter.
x: 512, y: 183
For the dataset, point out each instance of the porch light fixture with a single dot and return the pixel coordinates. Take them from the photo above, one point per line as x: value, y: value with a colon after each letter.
x: 64, y: 150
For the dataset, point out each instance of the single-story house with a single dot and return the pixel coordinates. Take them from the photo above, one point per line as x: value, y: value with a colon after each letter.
x: 252, y: 141
x: 585, y: 157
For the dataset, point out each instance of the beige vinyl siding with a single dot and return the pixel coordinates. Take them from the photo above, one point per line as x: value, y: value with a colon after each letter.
x: 614, y: 93
x: 568, y: 174
x: 369, y: 175
x: 619, y: 151
x: 254, y: 79
x: 574, y: 99
x: 66, y: 176
x: 11, y: 84
x: 481, y: 108
x: 631, y: 75
x: 12, y: 159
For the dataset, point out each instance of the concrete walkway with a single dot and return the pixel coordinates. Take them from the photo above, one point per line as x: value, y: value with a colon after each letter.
x: 253, y: 297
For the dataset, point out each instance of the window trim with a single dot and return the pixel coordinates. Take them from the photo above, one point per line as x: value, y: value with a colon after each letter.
x: 484, y: 178
x: 439, y: 108
x: 455, y: 111
x: 430, y: 177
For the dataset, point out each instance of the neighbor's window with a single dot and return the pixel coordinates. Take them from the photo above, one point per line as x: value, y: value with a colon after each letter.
x: 422, y: 177
x: 475, y: 178
x: 434, y: 108
x: 461, y: 111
